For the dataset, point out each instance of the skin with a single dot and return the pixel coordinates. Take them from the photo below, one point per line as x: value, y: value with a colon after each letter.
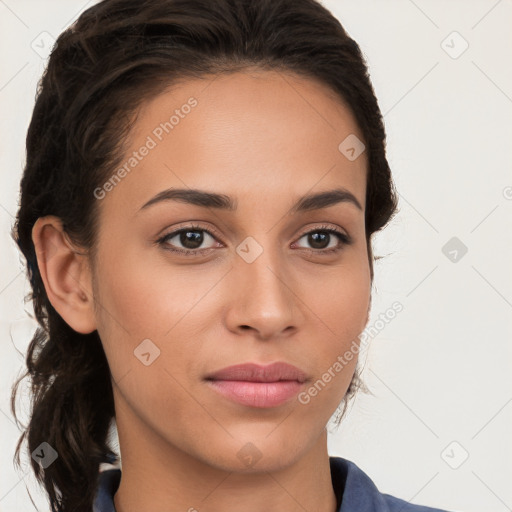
x: 265, y: 139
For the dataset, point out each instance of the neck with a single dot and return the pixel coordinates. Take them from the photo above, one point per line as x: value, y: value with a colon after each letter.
x: 158, y: 476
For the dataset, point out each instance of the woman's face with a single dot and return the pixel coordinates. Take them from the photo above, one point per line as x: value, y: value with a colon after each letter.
x: 253, y: 287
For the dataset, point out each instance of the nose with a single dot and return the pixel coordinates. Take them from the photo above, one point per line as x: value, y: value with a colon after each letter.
x: 263, y: 297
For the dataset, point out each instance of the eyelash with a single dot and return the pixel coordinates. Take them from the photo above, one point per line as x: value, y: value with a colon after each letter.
x: 342, y: 237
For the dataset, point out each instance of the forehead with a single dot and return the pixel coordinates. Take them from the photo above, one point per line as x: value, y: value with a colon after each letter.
x: 247, y: 134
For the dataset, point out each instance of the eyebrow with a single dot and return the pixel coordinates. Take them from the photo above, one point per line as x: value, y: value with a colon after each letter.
x: 223, y: 202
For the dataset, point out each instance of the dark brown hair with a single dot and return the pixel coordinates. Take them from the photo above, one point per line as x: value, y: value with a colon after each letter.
x: 118, y: 54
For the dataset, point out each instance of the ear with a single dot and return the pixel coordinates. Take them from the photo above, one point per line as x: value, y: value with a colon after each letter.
x: 65, y: 273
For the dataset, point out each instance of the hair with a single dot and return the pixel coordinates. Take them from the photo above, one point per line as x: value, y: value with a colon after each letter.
x: 118, y: 54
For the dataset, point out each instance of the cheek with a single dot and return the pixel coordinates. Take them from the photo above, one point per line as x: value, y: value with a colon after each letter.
x: 142, y: 314
x: 340, y: 308
x: 146, y: 296
x: 340, y: 298
x: 343, y: 313
x: 140, y: 299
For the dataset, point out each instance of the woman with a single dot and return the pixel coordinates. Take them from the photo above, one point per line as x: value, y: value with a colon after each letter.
x: 202, y: 184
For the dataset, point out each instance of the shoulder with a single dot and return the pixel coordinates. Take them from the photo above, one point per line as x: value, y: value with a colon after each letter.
x: 397, y: 504
x: 360, y: 494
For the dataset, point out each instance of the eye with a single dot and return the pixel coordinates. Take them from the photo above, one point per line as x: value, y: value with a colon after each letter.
x: 325, y: 240
x: 191, y: 238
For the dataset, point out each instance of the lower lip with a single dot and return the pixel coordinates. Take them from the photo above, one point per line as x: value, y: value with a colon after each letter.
x: 257, y: 394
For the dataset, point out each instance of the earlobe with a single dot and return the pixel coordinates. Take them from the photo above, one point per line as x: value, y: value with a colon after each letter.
x: 65, y: 273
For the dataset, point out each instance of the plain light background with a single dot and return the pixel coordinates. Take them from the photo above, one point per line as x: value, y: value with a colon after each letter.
x: 436, y: 430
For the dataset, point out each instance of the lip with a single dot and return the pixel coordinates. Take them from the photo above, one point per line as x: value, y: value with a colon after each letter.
x: 258, y: 386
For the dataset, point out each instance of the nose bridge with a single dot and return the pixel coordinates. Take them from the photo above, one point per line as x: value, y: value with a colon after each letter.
x: 260, y: 267
x: 264, y: 297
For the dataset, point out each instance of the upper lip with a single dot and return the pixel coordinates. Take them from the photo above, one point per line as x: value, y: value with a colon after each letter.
x: 252, y: 372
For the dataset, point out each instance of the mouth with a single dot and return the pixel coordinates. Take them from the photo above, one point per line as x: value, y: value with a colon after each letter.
x: 254, y: 385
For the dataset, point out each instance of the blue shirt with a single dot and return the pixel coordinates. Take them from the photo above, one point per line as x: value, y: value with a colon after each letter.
x: 355, y: 491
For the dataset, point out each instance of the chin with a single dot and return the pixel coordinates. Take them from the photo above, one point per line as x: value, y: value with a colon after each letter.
x: 257, y: 450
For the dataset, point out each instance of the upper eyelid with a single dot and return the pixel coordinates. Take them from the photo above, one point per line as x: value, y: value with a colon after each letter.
x: 212, y: 232
x: 324, y: 226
